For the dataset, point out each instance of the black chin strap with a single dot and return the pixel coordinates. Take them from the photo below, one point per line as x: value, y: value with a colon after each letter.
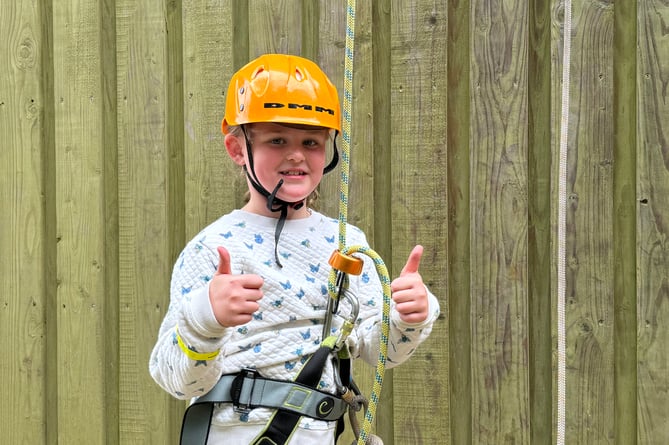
x: 275, y: 204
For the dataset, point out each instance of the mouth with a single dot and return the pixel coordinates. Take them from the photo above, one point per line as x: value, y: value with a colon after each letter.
x: 292, y: 173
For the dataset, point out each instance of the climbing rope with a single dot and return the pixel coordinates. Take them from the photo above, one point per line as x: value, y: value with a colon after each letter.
x: 364, y: 436
x: 562, y: 228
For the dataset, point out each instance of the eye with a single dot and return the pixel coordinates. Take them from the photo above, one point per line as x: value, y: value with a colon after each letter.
x: 277, y: 141
x: 311, y: 143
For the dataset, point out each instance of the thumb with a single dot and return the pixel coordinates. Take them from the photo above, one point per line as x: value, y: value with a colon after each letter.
x: 224, y: 263
x: 414, y: 261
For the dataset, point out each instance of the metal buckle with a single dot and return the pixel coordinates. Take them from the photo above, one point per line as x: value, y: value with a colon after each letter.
x: 238, y: 386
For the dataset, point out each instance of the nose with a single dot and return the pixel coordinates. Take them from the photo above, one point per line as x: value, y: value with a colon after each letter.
x: 295, y: 153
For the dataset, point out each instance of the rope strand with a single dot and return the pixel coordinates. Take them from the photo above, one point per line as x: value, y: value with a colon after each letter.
x: 381, y: 269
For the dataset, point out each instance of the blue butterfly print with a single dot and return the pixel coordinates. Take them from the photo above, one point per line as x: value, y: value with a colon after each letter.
x: 257, y: 316
x: 330, y: 240
x: 286, y: 285
x: 249, y: 246
x: 174, y: 338
x: 259, y: 239
x: 267, y: 263
x: 245, y: 348
x: 257, y: 348
x: 306, y: 243
x: 300, y: 294
x: 241, y: 224
x: 243, y: 330
x: 315, y: 268
x: 289, y: 365
x: 286, y: 255
x: 299, y: 352
x: 310, y: 279
x: 226, y: 235
x: 206, y: 278
x: 365, y: 277
x: 324, y: 289
x: 186, y: 290
x: 277, y: 303
x: 306, y: 335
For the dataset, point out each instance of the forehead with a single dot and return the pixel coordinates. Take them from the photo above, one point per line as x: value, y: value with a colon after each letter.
x: 275, y: 127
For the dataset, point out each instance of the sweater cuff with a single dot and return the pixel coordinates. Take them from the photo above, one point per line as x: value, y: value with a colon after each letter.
x: 200, y: 315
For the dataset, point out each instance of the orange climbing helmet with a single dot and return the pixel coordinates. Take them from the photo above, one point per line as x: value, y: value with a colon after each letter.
x: 282, y: 88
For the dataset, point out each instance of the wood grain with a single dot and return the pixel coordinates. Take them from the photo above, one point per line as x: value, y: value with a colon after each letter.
x: 652, y: 250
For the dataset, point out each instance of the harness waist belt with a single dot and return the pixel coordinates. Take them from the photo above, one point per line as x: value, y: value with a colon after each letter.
x: 248, y: 390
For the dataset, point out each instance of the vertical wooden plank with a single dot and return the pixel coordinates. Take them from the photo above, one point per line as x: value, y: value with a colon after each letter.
x: 275, y: 27
x: 458, y: 285
x: 499, y: 222
x: 418, y: 159
x: 539, y: 230
x: 150, y: 208
x: 652, y: 230
x: 330, y: 42
x: 84, y: 366
x: 590, y: 379
x: 24, y: 153
x: 624, y: 223
x: 363, y: 206
x: 214, y: 184
x: 381, y: 86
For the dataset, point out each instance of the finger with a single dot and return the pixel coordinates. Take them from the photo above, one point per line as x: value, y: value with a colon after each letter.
x: 224, y: 261
x: 414, y: 261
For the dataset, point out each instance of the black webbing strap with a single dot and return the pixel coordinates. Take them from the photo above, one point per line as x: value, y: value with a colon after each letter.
x: 197, y: 418
x: 283, y: 423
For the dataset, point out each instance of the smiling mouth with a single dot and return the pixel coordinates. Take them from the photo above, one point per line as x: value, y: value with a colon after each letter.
x: 293, y: 173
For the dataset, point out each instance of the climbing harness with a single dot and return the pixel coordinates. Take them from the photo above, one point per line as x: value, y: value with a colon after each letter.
x: 562, y: 228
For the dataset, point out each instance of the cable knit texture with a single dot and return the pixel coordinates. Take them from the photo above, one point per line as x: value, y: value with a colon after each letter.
x: 288, y: 326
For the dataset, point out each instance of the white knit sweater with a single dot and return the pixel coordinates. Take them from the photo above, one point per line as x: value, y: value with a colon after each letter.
x: 288, y: 326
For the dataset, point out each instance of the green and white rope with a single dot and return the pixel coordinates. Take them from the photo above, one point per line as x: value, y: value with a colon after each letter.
x: 380, y: 266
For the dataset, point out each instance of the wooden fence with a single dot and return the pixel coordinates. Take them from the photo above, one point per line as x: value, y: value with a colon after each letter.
x: 111, y: 159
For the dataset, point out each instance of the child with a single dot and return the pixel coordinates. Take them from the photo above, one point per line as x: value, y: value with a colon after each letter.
x: 249, y: 292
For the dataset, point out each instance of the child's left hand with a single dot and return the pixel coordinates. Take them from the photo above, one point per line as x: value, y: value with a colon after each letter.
x: 408, y: 290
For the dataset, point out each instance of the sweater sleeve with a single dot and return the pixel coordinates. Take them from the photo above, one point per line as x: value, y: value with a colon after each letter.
x: 190, y: 319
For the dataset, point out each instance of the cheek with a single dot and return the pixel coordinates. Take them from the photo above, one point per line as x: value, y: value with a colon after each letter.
x: 318, y: 158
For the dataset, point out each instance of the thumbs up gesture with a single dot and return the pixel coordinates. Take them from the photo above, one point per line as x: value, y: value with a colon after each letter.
x: 234, y: 298
x: 408, y: 290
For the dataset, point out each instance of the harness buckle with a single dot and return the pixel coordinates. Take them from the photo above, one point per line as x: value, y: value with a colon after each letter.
x: 241, y: 392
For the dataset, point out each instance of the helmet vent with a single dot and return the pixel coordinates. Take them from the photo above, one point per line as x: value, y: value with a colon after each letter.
x: 257, y: 72
x: 298, y: 74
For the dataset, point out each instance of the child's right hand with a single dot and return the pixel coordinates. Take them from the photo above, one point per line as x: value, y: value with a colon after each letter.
x: 234, y: 298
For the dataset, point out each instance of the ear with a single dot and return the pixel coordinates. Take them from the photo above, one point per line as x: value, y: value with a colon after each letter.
x: 235, y: 148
